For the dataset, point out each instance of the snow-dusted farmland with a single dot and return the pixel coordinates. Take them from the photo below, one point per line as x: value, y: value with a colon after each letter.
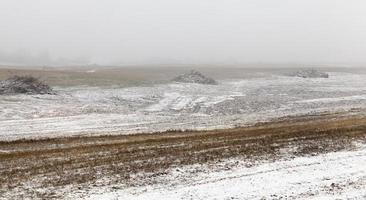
x: 339, y: 175
x: 93, y: 110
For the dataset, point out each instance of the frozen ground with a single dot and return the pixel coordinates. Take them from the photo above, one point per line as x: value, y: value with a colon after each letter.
x: 337, y: 175
x: 320, y: 156
x: 93, y: 110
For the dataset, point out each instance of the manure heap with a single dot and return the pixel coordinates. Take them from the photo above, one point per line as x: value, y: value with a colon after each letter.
x: 310, y: 73
x: 195, y: 77
x: 24, y: 85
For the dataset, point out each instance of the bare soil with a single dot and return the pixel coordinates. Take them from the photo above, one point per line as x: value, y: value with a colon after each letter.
x: 42, y: 168
x: 140, y: 75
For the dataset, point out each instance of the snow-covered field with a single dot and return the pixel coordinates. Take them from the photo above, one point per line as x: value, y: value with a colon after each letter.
x: 93, y: 110
x: 337, y: 175
x: 290, y: 159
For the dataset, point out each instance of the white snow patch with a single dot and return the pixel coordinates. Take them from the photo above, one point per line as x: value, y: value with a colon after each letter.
x: 325, y: 100
x: 334, y: 175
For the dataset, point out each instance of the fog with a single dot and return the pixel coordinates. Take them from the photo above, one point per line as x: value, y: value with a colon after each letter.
x: 115, y: 32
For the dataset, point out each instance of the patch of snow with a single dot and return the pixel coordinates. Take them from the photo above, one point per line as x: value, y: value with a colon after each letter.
x: 91, y: 71
x: 337, y: 175
x: 335, y: 99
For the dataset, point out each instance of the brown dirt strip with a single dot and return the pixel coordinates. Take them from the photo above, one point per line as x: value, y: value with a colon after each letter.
x: 61, y: 162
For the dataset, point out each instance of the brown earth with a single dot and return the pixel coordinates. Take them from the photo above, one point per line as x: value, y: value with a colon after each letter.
x: 141, y: 75
x: 40, y: 168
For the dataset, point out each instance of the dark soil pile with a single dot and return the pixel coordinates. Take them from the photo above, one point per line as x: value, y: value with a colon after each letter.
x: 195, y: 77
x: 310, y: 73
x: 24, y: 85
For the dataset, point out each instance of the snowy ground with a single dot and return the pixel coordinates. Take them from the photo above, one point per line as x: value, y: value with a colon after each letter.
x: 337, y: 175
x: 93, y: 110
x: 315, y: 156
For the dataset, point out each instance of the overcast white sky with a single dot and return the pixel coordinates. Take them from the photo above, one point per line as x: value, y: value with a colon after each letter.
x: 182, y: 31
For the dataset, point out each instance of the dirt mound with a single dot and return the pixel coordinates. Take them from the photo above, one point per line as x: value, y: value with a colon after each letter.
x: 310, y: 73
x: 24, y: 85
x: 195, y: 77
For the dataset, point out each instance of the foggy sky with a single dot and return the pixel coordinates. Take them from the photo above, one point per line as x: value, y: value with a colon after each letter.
x: 182, y: 31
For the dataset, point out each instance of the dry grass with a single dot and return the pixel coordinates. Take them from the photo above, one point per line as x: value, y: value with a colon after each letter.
x: 82, y: 161
x: 137, y: 75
